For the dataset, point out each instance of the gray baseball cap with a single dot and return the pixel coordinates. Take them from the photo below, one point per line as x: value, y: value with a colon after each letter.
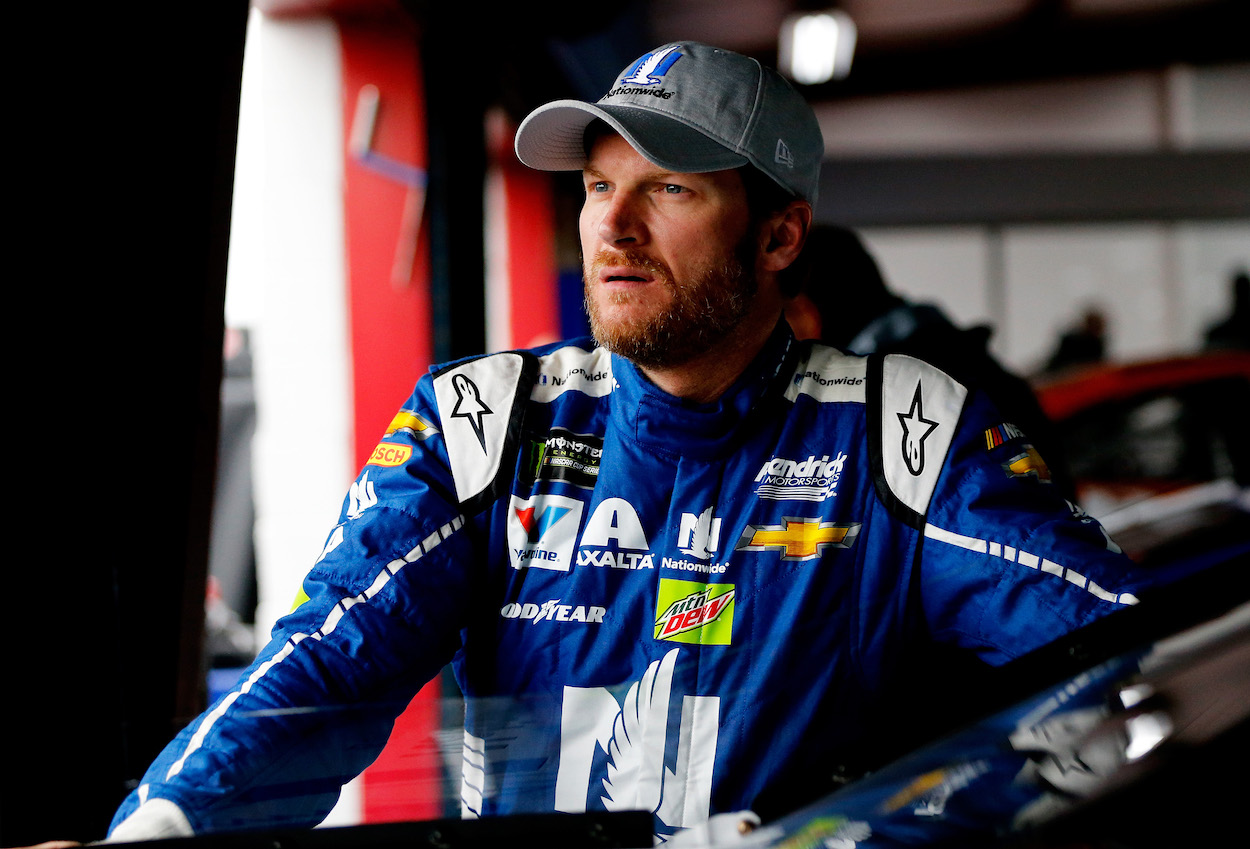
x: 690, y: 108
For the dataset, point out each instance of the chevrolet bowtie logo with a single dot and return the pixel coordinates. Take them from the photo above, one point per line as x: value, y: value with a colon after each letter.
x: 798, y: 539
x: 1028, y: 463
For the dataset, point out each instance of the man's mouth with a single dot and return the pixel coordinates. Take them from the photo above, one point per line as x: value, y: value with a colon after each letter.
x: 625, y: 269
x: 622, y: 274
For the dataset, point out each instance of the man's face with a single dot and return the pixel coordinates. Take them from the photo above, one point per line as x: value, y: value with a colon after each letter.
x: 668, y: 258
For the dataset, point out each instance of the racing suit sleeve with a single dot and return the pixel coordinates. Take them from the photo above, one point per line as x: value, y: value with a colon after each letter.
x: 378, y: 615
x: 1006, y: 563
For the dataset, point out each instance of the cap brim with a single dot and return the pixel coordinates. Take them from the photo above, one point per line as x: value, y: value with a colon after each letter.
x: 550, y: 138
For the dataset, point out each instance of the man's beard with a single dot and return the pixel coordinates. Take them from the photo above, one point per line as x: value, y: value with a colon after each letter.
x: 703, y: 311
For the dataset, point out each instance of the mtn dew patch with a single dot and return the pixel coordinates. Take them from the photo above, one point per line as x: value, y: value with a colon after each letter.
x: 694, y: 612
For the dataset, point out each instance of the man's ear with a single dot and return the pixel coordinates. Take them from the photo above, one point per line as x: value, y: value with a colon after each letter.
x: 784, y: 234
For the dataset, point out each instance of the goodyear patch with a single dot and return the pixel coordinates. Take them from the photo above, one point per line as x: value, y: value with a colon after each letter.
x: 389, y: 454
x: 695, y: 612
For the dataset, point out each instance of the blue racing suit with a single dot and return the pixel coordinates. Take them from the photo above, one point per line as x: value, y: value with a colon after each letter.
x: 648, y: 603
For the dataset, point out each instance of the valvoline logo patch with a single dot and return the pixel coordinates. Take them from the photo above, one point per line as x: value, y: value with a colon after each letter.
x: 542, y: 531
x: 536, y: 524
x: 694, y: 612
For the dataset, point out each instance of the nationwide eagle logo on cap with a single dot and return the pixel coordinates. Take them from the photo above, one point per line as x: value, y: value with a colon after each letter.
x: 650, y: 69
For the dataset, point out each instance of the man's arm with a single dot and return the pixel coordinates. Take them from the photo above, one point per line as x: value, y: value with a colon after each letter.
x: 1007, y: 563
x: 377, y: 616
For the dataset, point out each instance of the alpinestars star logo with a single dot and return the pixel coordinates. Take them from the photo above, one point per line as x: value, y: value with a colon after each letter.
x: 470, y: 406
x: 916, y: 428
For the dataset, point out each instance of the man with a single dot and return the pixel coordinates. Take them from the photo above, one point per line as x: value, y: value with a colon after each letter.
x: 676, y: 569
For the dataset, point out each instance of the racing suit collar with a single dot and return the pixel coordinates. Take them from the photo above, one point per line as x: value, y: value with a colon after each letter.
x: 670, y: 425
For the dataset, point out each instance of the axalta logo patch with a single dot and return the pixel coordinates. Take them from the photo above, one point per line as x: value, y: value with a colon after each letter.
x: 800, y: 480
x: 389, y: 454
x: 615, y: 559
x: 553, y: 611
x: 614, y: 538
x: 542, y: 531
x: 693, y: 612
x: 798, y: 539
x: 411, y: 424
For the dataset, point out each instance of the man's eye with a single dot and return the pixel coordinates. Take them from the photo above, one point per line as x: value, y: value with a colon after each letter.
x: 599, y: 186
x: 673, y: 189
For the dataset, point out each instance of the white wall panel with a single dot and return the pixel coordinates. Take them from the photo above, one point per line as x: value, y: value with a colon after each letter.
x: 1053, y: 274
x: 286, y: 283
x: 940, y: 265
x: 1211, y: 106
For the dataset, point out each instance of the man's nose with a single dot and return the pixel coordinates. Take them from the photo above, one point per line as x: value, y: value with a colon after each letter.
x: 621, y: 223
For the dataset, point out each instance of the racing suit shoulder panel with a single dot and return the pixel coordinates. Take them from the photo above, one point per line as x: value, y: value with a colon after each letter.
x: 572, y: 367
x: 481, y: 404
x: 829, y: 375
x: 914, y: 410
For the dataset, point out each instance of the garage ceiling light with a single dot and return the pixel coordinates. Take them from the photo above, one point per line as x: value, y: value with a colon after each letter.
x: 817, y: 46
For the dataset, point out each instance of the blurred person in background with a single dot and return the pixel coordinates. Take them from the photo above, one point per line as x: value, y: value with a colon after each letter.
x: 1082, y: 344
x: 843, y: 300
x: 1233, y: 331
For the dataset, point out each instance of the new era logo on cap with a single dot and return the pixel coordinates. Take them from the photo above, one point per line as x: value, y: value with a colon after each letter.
x: 783, y: 156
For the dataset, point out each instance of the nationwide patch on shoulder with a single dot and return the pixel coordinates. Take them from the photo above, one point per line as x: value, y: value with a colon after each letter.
x: 695, y: 612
